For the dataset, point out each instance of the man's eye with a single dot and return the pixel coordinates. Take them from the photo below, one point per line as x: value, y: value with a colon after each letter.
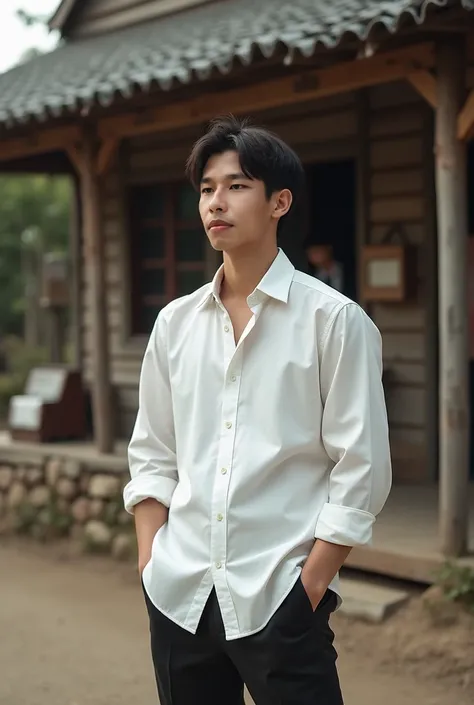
x: 237, y: 187
x: 207, y: 189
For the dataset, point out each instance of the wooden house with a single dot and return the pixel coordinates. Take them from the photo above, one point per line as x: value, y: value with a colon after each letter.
x: 376, y: 98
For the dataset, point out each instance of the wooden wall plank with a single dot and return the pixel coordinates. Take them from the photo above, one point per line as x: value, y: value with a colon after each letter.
x: 397, y: 209
x: 407, y: 406
x: 399, y: 317
x: 404, y: 347
x: 406, y: 374
x: 394, y: 183
x: 396, y: 122
x: 415, y: 232
x: 393, y: 153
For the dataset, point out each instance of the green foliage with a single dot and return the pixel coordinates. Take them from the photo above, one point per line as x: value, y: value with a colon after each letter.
x: 20, y: 358
x: 457, y: 584
x: 10, y: 386
x: 34, y: 219
x: 29, y: 19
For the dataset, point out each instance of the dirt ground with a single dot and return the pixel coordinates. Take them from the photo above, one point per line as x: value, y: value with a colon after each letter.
x: 73, y: 631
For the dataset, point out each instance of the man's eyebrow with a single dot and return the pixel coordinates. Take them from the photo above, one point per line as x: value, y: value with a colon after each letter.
x: 228, y: 177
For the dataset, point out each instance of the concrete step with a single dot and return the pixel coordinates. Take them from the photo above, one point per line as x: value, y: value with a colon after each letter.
x: 365, y: 600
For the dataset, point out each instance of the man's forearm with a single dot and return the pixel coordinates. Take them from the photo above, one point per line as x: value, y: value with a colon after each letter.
x: 323, y: 563
x: 150, y: 516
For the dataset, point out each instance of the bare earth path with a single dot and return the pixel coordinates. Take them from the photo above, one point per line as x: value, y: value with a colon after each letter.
x: 74, y: 632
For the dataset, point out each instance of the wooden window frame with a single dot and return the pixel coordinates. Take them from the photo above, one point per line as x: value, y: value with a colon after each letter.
x: 168, y: 263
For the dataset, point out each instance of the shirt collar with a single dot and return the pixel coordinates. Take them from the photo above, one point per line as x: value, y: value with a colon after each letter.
x: 275, y: 283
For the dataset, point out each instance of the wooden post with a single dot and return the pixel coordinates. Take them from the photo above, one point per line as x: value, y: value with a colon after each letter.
x: 75, y: 242
x: 451, y: 195
x: 103, y: 417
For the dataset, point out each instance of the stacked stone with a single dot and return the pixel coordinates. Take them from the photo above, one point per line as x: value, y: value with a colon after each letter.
x: 61, y: 498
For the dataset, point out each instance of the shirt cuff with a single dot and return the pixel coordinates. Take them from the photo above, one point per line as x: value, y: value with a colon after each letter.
x: 148, y: 487
x: 344, y: 526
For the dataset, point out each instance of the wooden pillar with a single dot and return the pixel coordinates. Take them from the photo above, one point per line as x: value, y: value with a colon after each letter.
x: 103, y: 417
x: 75, y: 248
x: 451, y: 195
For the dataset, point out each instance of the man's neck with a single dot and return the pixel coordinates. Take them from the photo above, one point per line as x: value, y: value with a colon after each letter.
x: 244, y: 270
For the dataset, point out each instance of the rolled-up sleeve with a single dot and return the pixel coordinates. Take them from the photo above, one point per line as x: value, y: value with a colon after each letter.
x: 152, y: 448
x: 354, y: 428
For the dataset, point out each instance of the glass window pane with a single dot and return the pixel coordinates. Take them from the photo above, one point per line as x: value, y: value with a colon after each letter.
x: 147, y: 201
x: 187, y: 206
x: 189, y: 281
x: 148, y: 317
x: 190, y: 245
x: 152, y: 242
x: 152, y: 281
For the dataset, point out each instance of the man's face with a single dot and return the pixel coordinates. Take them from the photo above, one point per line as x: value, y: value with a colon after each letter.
x: 319, y: 255
x: 234, y: 209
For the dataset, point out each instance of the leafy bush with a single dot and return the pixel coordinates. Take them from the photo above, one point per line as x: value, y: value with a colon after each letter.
x: 10, y: 385
x: 457, y: 584
x: 20, y: 359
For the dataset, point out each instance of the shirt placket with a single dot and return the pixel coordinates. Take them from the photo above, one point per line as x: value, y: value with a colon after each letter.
x: 233, y: 362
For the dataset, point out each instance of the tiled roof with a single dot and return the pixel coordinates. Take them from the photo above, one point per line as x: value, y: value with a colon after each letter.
x: 188, y: 46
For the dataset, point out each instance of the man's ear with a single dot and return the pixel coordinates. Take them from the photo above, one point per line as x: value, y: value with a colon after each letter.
x: 282, y: 203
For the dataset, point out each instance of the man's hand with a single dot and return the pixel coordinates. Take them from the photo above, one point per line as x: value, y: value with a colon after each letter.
x: 150, y: 516
x: 314, y: 591
x: 324, y: 562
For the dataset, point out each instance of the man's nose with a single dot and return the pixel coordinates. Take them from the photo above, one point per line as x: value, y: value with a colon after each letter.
x: 218, y: 201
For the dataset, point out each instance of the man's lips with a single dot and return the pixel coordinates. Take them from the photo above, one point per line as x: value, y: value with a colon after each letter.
x: 218, y: 225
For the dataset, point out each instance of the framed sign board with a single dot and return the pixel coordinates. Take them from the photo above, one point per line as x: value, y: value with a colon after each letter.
x: 52, y: 407
x: 388, y: 273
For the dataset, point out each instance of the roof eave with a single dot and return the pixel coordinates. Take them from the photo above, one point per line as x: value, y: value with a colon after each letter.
x: 61, y: 16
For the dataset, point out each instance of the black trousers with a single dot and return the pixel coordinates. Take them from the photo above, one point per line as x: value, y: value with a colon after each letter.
x: 292, y: 661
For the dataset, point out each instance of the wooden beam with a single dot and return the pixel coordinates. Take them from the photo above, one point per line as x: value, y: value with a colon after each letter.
x: 76, y: 157
x: 425, y: 84
x: 38, y: 142
x: 451, y: 197
x: 103, y: 416
x: 106, y: 154
x: 343, y: 77
x: 466, y: 118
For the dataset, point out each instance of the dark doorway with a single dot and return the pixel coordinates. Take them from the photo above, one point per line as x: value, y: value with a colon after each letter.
x: 331, y: 191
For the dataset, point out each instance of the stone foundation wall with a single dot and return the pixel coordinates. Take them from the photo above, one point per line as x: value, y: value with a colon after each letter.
x: 58, y: 498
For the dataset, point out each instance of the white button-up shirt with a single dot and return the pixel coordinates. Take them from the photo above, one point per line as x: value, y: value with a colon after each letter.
x: 257, y: 448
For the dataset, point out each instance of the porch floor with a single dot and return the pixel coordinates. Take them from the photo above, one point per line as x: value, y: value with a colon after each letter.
x: 405, y: 545
x: 406, y: 541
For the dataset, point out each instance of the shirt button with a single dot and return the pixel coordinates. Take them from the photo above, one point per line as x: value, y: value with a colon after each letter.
x: 226, y: 328
x: 219, y: 517
x: 233, y: 378
x: 218, y: 565
x: 228, y: 424
x: 224, y: 471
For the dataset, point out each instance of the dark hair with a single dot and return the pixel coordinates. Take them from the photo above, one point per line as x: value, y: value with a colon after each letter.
x: 263, y: 156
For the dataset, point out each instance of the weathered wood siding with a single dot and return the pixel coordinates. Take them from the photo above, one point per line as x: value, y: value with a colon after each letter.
x: 398, y: 191
x: 107, y: 15
x: 401, y: 191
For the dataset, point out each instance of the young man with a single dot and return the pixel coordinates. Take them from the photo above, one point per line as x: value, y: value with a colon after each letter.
x: 260, y: 453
